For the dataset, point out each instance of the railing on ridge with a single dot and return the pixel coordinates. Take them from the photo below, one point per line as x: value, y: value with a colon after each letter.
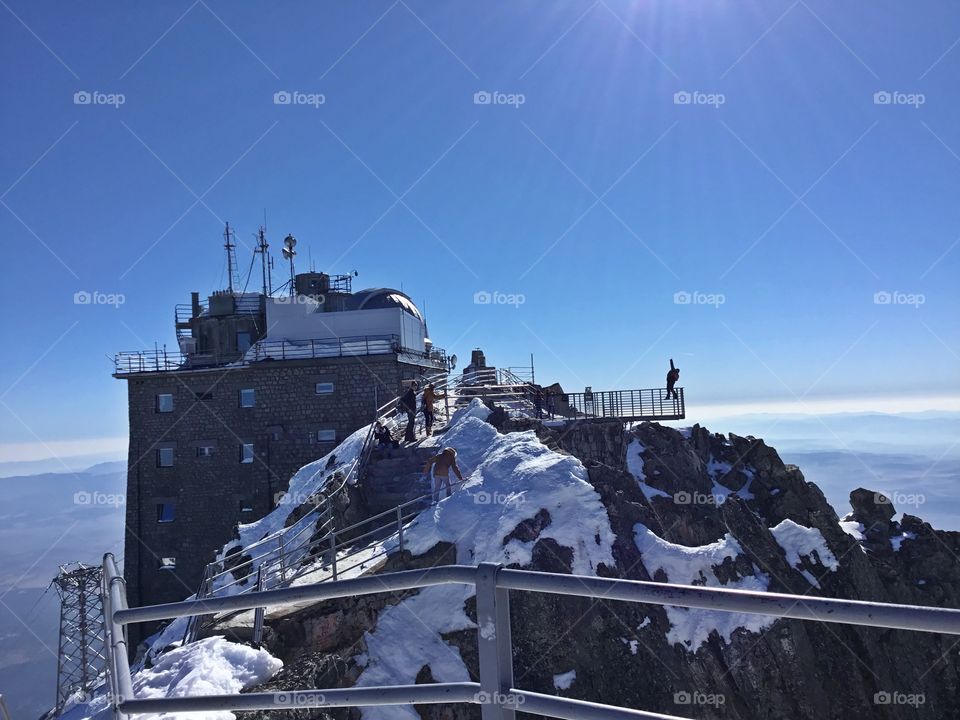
x: 495, y: 693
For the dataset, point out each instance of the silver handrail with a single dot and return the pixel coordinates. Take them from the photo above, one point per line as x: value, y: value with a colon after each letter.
x: 495, y: 693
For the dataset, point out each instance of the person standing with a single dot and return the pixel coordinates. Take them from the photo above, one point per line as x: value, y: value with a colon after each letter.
x: 672, y: 376
x: 430, y: 395
x: 408, y: 404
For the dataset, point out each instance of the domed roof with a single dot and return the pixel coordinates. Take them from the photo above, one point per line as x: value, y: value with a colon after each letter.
x: 377, y: 298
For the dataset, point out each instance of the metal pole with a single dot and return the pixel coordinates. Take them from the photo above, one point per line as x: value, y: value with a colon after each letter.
x: 494, y: 644
x: 400, y: 525
x: 283, y: 569
x: 333, y: 552
x: 258, y: 613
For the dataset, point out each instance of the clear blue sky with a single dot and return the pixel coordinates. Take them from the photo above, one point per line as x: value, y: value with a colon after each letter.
x: 784, y: 187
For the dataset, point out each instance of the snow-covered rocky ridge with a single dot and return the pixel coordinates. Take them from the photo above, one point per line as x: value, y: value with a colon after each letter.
x: 658, y: 504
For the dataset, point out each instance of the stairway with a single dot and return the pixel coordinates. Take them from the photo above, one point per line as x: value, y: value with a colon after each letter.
x: 395, y: 477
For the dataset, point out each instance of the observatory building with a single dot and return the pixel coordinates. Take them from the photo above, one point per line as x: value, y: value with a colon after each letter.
x: 260, y: 384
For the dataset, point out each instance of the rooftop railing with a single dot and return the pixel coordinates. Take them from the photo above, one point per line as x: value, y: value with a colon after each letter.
x: 164, y: 360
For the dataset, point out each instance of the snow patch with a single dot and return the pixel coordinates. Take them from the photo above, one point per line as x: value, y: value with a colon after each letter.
x: 563, y: 681
x: 635, y: 467
x: 798, y: 542
x: 212, y: 666
x: 684, y: 565
x: 852, y: 528
x: 897, y: 541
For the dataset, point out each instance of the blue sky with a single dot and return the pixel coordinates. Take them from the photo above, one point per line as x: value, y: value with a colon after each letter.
x: 784, y: 188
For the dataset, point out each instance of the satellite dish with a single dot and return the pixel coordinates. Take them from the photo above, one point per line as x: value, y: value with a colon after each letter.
x: 288, y: 252
x: 453, y: 361
x: 290, y: 242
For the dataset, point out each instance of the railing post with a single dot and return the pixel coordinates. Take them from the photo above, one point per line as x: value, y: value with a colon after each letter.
x: 258, y: 613
x: 333, y: 552
x: 400, y: 525
x: 495, y: 646
x: 283, y: 569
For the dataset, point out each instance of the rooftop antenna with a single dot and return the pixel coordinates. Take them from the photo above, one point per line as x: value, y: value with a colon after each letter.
x: 265, y: 261
x: 231, y: 255
x: 289, y: 243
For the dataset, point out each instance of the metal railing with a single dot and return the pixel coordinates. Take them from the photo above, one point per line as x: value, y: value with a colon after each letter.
x: 495, y: 692
x: 164, y: 360
x: 279, y: 559
x: 648, y: 404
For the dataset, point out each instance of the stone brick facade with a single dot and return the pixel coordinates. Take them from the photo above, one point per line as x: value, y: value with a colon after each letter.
x: 211, y: 490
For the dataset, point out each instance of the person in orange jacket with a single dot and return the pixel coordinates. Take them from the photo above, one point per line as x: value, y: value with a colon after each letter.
x: 438, y: 468
x: 430, y: 395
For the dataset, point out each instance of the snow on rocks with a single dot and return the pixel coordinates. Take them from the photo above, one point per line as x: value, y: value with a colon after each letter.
x: 684, y: 565
x: 800, y: 542
x: 635, y: 451
x: 563, y: 681
x: 509, y: 478
x: 212, y: 666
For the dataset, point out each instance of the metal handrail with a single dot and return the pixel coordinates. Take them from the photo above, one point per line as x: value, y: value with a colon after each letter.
x: 495, y: 693
x: 282, y: 539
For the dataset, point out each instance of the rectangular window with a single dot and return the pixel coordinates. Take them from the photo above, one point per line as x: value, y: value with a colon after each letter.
x: 164, y: 402
x: 165, y: 512
x: 248, y: 397
x: 243, y: 341
x: 205, y: 450
x: 246, y: 453
x: 168, y: 563
x: 323, y: 388
x: 326, y: 436
x: 165, y: 457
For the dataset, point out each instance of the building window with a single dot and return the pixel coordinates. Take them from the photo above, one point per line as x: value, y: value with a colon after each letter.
x: 205, y: 450
x: 243, y: 341
x: 248, y: 397
x: 326, y: 436
x: 246, y: 453
x: 168, y: 563
x: 165, y: 457
x: 245, y: 506
x: 323, y: 388
x: 164, y: 402
x: 165, y: 512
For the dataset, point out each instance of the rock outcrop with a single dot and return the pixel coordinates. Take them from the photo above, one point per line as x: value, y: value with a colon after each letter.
x: 730, y: 509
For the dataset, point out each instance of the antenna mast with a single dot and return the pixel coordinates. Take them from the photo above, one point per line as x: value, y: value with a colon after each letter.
x: 264, y: 261
x: 230, y: 247
x: 289, y: 243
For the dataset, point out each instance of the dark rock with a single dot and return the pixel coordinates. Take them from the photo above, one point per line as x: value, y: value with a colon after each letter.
x: 529, y: 530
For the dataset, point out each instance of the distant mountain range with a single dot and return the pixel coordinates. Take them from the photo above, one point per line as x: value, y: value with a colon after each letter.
x: 46, y: 520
